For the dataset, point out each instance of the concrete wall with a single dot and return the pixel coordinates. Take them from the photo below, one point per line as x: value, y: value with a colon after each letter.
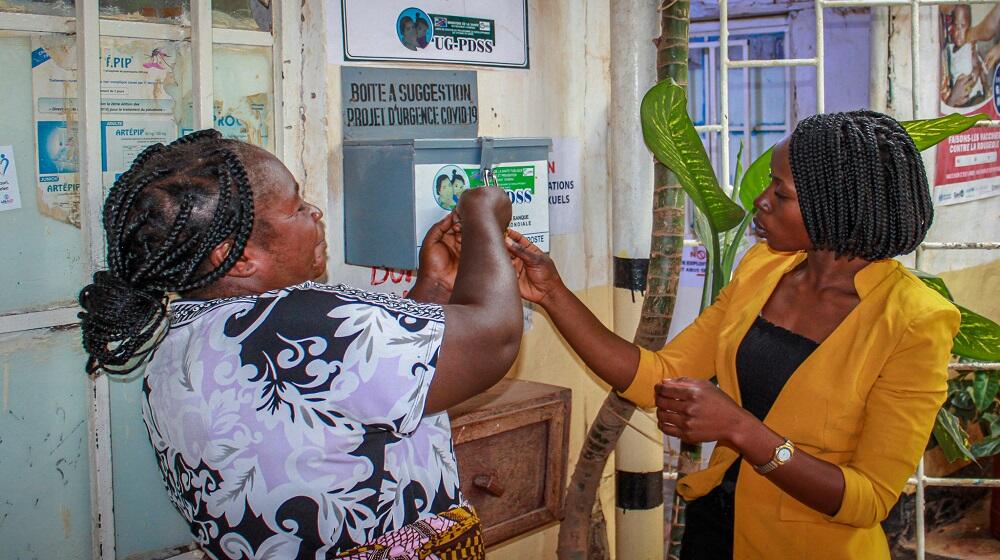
x: 564, y: 94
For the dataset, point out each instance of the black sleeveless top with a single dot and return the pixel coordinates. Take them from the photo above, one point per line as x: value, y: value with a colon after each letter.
x: 765, y: 360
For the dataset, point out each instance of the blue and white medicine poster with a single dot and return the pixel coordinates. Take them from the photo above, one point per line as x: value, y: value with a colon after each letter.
x: 141, y: 95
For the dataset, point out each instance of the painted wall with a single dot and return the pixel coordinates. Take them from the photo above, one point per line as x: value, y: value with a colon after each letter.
x: 565, y: 93
x: 44, y: 467
x: 846, y: 42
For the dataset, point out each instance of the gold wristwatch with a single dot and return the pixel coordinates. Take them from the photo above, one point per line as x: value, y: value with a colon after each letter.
x: 782, y: 454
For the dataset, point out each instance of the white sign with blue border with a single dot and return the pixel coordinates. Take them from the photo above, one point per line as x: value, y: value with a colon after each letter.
x: 436, y: 31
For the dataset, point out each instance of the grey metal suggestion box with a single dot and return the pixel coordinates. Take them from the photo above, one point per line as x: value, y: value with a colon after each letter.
x: 395, y: 190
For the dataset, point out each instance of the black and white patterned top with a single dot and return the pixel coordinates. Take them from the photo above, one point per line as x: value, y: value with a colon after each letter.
x: 291, y: 425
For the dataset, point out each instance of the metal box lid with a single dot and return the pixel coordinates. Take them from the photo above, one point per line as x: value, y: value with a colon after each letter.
x: 452, y: 143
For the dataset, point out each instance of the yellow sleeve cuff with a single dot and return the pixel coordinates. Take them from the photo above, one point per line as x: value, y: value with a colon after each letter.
x: 858, y: 508
x: 648, y: 374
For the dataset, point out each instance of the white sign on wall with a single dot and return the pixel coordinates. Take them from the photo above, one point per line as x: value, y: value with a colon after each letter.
x: 693, y: 266
x: 565, y: 187
x: 477, y: 33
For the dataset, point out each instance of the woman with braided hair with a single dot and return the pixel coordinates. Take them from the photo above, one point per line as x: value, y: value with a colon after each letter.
x: 292, y: 419
x: 831, y: 358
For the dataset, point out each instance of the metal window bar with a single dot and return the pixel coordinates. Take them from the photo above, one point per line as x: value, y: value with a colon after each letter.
x: 920, y: 480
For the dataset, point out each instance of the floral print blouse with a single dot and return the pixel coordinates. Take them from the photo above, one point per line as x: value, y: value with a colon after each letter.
x: 291, y: 424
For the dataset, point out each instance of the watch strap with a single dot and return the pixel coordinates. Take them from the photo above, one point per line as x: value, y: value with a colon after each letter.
x: 776, y: 461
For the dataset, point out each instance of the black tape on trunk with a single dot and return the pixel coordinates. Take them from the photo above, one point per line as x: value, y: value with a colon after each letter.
x: 639, y: 490
x: 631, y: 273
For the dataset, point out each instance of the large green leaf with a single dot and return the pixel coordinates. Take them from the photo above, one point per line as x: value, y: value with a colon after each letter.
x: 984, y: 389
x: 927, y: 132
x: 951, y: 437
x: 756, y: 179
x: 933, y: 282
x: 990, y: 423
x: 671, y: 137
x: 986, y: 448
x: 738, y: 176
x: 731, y: 246
x: 978, y: 337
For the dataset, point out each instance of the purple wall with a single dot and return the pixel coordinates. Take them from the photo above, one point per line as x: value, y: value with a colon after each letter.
x: 846, y: 44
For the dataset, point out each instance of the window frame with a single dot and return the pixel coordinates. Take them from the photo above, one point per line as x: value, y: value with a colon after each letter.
x: 706, y: 35
x: 89, y: 27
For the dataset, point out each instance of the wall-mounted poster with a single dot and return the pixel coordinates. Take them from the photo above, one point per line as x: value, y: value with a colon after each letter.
x: 968, y: 164
x: 491, y: 33
x: 142, y: 93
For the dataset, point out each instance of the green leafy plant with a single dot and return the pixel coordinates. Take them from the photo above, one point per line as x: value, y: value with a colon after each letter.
x: 721, y: 224
x: 670, y: 135
x: 972, y: 395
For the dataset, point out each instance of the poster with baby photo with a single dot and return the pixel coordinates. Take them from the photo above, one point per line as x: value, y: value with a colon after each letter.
x: 968, y: 164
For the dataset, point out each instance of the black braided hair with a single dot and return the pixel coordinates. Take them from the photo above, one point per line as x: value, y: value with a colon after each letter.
x: 861, y: 184
x: 162, y: 218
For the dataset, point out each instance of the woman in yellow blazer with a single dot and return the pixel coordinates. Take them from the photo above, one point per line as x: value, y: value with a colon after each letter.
x: 831, y: 359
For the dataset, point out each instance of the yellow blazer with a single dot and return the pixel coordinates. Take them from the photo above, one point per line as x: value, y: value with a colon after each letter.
x: 865, y: 400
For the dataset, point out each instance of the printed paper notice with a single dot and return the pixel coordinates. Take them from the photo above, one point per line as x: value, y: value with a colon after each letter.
x: 968, y: 164
x: 140, y: 105
x: 693, y: 266
x: 122, y: 140
x: 565, y: 203
x: 10, y: 195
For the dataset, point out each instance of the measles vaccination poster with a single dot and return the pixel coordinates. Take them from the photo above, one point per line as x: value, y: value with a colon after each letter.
x: 491, y: 33
x: 140, y: 105
x: 968, y: 164
x: 438, y: 187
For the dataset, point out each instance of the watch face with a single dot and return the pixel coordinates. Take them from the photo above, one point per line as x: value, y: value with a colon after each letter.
x: 784, y: 454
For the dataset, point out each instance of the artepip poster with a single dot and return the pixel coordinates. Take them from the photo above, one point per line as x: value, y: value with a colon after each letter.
x: 140, y: 99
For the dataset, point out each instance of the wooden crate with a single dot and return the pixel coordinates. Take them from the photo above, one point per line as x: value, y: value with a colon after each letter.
x: 512, y: 443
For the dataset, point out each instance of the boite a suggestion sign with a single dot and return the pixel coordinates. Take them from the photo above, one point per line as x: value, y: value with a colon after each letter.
x: 383, y: 103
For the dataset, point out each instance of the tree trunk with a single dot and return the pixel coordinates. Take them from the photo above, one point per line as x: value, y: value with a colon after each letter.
x: 657, y: 308
x: 575, y: 529
x: 668, y: 212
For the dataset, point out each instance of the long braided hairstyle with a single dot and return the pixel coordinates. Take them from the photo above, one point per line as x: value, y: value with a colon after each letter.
x: 162, y: 218
x: 861, y: 184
